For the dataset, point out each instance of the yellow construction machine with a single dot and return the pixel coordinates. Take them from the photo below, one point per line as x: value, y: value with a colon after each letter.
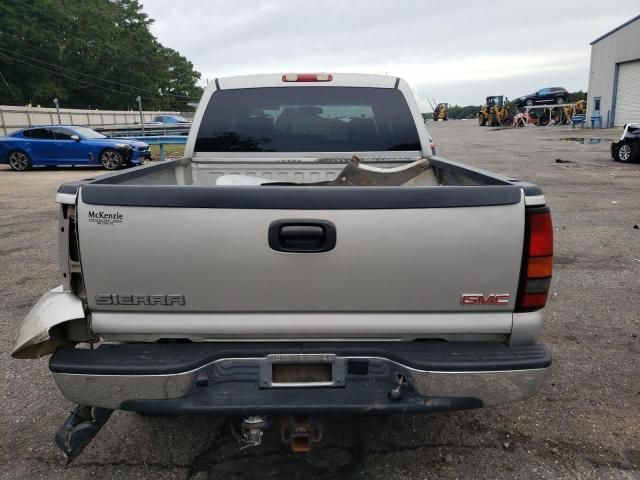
x: 569, y: 111
x: 440, y: 111
x: 494, y: 112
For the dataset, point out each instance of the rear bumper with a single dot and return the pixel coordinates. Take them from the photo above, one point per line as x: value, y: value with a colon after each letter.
x: 235, y: 379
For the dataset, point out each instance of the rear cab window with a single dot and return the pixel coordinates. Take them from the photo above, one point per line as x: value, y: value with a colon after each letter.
x: 307, y: 119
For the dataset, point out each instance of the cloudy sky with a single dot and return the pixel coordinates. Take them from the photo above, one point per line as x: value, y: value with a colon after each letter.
x: 454, y: 51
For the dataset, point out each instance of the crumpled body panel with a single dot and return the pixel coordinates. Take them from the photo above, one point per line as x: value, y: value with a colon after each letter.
x: 37, y: 336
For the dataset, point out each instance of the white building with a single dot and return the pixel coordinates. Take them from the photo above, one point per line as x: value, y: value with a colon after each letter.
x: 614, y: 75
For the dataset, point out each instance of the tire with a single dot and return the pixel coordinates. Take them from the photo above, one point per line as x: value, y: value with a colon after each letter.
x: 482, y: 121
x: 543, y: 120
x: 559, y: 100
x: 529, y: 102
x: 492, y: 120
x: 19, y: 160
x: 624, y: 152
x: 111, y: 159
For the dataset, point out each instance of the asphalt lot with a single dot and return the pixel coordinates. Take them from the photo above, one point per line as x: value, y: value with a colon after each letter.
x: 585, y: 423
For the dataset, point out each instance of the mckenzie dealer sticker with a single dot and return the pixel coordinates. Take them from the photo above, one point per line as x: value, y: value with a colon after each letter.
x: 104, y: 218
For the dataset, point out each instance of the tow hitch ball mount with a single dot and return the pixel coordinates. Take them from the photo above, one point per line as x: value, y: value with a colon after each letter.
x: 249, y: 430
x: 300, y: 432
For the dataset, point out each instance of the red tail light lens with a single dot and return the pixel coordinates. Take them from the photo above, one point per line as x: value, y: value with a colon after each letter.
x: 307, y: 77
x: 533, y: 301
x: 540, y: 235
x: 537, y: 262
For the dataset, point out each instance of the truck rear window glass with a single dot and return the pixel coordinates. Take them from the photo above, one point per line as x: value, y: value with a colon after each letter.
x: 307, y: 119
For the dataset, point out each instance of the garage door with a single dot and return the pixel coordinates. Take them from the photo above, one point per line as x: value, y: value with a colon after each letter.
x: 628, y: 95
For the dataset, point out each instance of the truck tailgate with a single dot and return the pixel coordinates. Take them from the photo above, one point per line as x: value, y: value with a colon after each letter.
x: 396, y: 250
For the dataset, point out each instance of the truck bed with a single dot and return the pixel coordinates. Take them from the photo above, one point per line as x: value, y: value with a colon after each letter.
x: 197, y: 172
x: 392, y: 273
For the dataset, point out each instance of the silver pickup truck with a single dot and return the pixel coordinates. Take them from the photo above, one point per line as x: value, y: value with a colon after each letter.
x: 311, y: 254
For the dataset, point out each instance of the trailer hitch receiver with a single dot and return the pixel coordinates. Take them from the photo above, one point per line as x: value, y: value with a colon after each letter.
x: 300, y: 432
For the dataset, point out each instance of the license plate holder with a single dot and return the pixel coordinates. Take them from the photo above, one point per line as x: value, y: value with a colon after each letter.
x: 302, y: 371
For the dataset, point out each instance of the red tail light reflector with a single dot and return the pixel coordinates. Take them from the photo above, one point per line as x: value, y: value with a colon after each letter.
x: 307, y: 77
x: 540, y: 235
x: 533, y: 301
x: 537, y: 262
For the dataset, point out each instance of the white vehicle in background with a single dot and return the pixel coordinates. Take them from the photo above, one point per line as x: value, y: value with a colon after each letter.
x: 309, y: 255
x: 627, y: 149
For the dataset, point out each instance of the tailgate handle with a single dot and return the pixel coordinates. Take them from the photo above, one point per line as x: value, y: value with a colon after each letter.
x: 302, y: 236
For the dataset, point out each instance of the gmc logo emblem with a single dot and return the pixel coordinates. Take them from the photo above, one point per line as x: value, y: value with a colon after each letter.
x: 480, y: 299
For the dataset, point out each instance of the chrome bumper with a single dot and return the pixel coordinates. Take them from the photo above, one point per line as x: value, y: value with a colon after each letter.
x: 426, y: 388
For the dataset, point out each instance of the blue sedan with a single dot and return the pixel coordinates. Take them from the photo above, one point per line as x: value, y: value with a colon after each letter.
x: 69, y: 145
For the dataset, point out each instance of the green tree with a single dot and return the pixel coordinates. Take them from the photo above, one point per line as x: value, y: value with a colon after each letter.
x: 98, y: 53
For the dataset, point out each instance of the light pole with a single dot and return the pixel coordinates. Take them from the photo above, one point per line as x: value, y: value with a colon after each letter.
x: 139, y: 100
x: 57, y: 104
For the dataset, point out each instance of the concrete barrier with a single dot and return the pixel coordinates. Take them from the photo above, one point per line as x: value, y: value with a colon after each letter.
x: 15, y: 118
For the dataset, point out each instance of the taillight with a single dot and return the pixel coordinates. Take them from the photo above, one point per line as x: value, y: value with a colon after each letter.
x: 537, y: 261
x: 307, y: 77
x: 432, y: 144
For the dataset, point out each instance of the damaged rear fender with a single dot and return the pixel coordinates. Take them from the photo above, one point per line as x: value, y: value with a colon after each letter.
x: 42, y: 330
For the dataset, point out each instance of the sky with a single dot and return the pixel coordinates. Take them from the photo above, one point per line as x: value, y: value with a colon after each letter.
x: 452, y: 51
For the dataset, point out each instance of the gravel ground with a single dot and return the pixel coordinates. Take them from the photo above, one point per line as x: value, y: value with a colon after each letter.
x: 585, y: 423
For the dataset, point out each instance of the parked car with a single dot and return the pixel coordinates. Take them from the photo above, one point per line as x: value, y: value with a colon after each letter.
x: 371, y: 276
x: 627, y: 149
x: 57, y: 145
x: 171, y: 120
x: 544, y: 96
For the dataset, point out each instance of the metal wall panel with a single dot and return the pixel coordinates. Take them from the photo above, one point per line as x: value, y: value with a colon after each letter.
x: 628, y: 94
x: 621, y: 46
